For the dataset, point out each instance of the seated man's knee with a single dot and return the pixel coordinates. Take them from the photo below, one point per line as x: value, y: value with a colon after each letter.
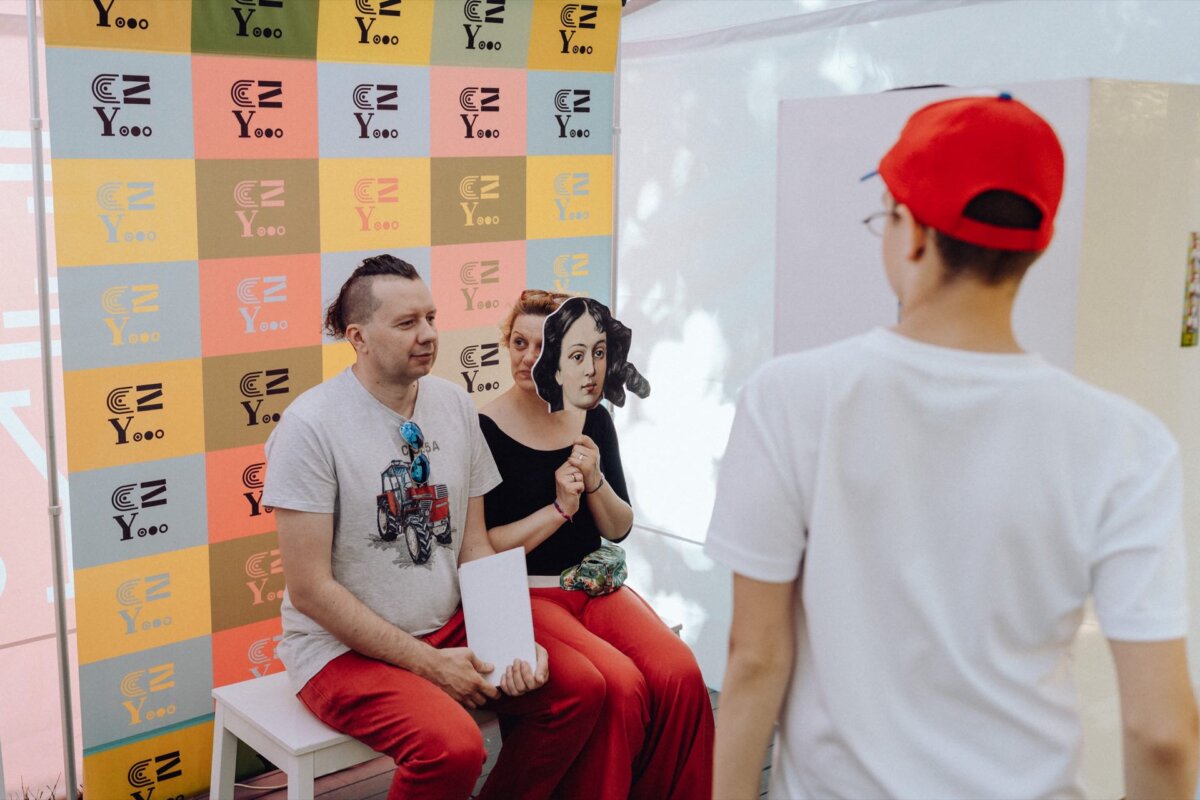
x: 468, y: 753
x: 447, y: 749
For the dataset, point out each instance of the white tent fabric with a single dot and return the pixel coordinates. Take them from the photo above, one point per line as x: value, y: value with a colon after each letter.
x: 660, y: 30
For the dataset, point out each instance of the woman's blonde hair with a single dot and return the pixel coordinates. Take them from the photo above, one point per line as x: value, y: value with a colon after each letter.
x: 536, y: 302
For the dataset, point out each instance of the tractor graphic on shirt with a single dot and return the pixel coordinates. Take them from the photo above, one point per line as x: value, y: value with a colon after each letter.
x: 420, y: 512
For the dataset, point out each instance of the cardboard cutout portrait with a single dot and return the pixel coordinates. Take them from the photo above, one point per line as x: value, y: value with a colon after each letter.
x: 584, y: 358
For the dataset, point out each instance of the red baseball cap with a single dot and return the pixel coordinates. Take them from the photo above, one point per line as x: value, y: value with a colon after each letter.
x: 951, y: 151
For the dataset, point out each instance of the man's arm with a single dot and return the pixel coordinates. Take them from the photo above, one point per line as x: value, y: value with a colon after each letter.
x: 1158, y: 719
x: 760, y: 664
x: 476, y: 543
x: 306, y: 546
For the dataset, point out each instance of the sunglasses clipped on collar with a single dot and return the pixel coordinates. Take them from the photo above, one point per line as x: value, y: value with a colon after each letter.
x: 419, y: 469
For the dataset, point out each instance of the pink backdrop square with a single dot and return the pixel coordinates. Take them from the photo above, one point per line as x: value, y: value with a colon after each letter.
x: 218, y: 131
x: 447, y: 130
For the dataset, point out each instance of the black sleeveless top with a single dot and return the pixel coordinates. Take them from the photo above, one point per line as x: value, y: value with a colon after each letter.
x: 528, y: 485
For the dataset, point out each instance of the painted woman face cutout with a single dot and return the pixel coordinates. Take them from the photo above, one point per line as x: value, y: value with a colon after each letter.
x: 582, y: 364
x: 584, y: 358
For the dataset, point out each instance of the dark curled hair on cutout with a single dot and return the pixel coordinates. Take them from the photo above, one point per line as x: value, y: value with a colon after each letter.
x: 356, y: 302
x: 1002, y: 209
x: 620, y: 374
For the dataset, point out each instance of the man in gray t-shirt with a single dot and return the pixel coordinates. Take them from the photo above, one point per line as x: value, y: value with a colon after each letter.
x: 377, y: 477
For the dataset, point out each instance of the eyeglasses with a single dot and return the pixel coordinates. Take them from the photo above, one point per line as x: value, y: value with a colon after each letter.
x: 419, y: 469
x: 875, y: 222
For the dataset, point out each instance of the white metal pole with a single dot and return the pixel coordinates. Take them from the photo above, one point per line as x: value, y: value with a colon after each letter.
x: 55, y: 507
x: 616, y: 179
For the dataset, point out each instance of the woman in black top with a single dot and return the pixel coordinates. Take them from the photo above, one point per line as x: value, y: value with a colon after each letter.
x: 563, y: 493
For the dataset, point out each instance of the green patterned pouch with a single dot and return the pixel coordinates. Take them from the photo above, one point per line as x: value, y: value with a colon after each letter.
x: 600, y: 572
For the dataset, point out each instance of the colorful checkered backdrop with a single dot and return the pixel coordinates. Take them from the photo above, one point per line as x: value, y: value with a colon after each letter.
x: 219, y: 168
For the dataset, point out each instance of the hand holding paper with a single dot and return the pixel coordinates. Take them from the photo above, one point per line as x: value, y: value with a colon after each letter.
x: 521, y: 677
x: 495, y: 599
x: 464, y: 676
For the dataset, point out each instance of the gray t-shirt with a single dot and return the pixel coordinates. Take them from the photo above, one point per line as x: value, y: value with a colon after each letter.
x: 396, y: 537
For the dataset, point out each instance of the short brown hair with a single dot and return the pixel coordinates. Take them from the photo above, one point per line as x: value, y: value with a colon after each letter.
x: 537, y: 302
x: 989, y: 265
x: 356, y: 300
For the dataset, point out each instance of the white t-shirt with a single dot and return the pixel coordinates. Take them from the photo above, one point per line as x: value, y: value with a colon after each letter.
x: 954, y: 510
x: 339, y: 451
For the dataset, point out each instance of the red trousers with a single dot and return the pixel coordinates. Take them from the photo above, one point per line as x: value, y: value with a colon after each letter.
x: 654, y: 738
x: 435, y: 743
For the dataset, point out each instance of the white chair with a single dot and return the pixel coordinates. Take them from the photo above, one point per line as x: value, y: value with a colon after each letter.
x: 267, y: 716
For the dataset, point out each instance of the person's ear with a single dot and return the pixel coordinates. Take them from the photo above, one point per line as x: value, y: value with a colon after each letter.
x: 558, y: 376
x: 354, y: 335
x: 916, y: 234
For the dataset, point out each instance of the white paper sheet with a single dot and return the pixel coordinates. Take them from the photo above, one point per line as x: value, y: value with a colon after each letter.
x: 495, y: 600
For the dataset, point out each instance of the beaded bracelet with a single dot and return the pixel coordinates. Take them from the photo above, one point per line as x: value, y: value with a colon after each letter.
x: 564, y: 514
x: 598, y: 485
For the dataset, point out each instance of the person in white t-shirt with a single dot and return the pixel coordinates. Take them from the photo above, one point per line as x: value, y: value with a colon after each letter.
x: 917, y: 517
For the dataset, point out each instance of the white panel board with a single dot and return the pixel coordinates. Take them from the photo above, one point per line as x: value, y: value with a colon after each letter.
x: 829, y: 278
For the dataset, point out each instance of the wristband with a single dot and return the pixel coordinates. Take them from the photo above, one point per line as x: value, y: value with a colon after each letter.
x: 562, y: 513
x: 598, y: 486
